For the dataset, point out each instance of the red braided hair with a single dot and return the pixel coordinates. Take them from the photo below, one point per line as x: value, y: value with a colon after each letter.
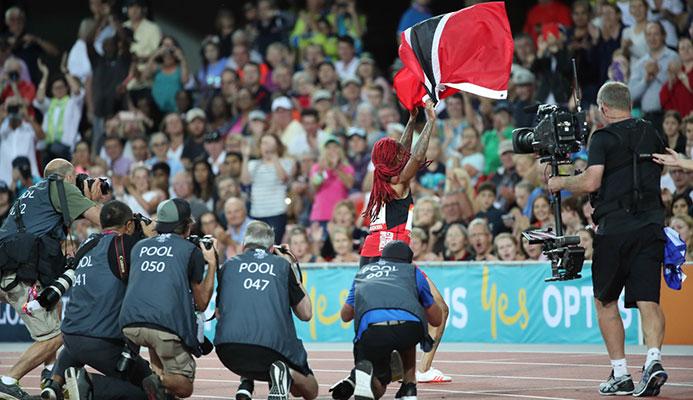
x: 389, y: 158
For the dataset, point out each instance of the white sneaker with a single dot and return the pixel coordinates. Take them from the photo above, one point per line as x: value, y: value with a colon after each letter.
x: 432, y: 376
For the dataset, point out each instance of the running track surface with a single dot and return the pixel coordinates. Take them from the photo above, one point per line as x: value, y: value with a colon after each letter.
x: 527, y: 374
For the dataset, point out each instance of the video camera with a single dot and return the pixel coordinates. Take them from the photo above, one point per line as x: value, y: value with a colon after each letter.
x: 557, y: 134
x: 82, y: 179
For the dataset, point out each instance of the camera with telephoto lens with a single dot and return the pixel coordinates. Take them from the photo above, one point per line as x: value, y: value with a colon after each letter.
x: 196, y: 240
x: 50, y: 296
x: 83, y: 179
x: 139, y: 219
x: 557, y: 134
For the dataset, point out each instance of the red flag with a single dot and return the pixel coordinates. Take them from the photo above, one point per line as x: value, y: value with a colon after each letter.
x: 470, y: 50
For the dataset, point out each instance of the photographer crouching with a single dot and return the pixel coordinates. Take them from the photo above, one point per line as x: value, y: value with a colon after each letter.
x: 31, y: 258
x: 91, y: 333
x: 167, y: 285
x: 629, y: 241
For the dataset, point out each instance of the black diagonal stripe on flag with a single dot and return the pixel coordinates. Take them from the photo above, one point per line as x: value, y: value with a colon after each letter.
x: 421, y: 36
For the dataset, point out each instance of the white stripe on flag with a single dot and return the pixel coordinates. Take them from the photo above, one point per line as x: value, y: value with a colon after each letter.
x: 435, y: 60
x: 479, y: 90
x: 407, y: 36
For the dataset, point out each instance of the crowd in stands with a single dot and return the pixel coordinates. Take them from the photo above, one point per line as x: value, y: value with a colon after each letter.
x: 278, y: 122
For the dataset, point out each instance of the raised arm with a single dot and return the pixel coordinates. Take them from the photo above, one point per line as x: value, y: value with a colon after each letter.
x: 41, y: 91
x: 408, y: 134
x: 418, y: 155
x: 202, y: 291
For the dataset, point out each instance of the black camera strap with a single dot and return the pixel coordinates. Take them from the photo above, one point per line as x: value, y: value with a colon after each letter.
x: 18, y: 215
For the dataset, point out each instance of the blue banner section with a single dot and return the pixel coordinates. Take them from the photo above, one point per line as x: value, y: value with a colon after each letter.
x: 488, y: 303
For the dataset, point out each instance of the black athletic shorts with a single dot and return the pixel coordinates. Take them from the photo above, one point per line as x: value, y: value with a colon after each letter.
x: 252, y: 361
x: 634, y: 260
x: 378, y: 342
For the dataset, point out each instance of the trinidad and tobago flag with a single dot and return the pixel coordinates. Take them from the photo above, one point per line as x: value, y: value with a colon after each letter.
x: 470, y: 50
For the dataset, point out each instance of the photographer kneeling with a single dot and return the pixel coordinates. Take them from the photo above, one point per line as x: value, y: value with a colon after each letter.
x: 166, y: 286
x: 629, y: 241
x: 255, y: 335
x: 91, y: 334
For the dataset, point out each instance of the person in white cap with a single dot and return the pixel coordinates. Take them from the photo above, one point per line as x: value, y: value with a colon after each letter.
x: 283, y: 123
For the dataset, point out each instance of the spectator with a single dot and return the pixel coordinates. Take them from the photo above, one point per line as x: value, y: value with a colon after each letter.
x: 183, y: 189
x: 431, y: 179
x: 271, y: 26
x: 302, y: 89
x: 283, y: 124
x: 681, y: 204
x: 586, y: 240
x: 138, y: 194
x: 62, y: 113
x: 81, y: 157
x: 196, y: 120
x: 461, y: 115
x: 230, y: 83
x: 546, y: 11
x: 347, y: 62
x: 328, y: 78
x: 457, y: 244
x: 277, y: 54
x: 161, y: 173
x: 331, y: 180
x: 225, y: 24
x: 524, y: 82
x: 387, y: 114
x: 306, y: 26
x: 237, y: 220
x: 184, y: 102
x: 417, y: 12
x: 668, y: 14
x: 203, y: 184
x: 541, y: 212
x: 481, y: 240
x: 213, y: 64
x: 506, y: 248
x: 525, y: 50
x: 219, y: 114
x: 25, y: 45
x: 343, y: 216
x: 677, y: 93
x: 17, y: 137
x: 169, y: 69
x: 109, y: 70
x: 467, y: 154
x: 5, y: 201
x: 214, y: 147
x: 251, y: 80
x: 578, y: 42
x: 341, y: 242
x: 268, y: 177
x: 532, y: 251
x: 226, y: 187
x: 241, y: 56
x: 117, y: 162
x: 160, y: 149
x: 281, y: 80
x: 506, y: 177
x: 553, y: 70
x: 502, y: 130
x: 673, y: 136
x: 351, y: 90
x: 649, y: 74
x: 367, y: 72
x: 492, y: 215
x: 146, y: 38
x: 522, y: 192
x: 427, y: 215
x: 633, y: 37
x: 301, y: 192
x: 22, y: 177
x: 245, y: 113
x: 604, y: 42
x: 335, y: 121
x: 359, y: 155
x: 299, y: 244
x: 571, y: 215
x: 314, y: 137
x: 346, y: 21
x: 365, y: 119
x: 6, y: 54
x: 419, y: 246
x: 15, y: 86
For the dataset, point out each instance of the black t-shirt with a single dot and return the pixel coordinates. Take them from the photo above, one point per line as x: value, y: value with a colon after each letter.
x: 196, y: 266
x: 609, y: 150
x: 295, y: 292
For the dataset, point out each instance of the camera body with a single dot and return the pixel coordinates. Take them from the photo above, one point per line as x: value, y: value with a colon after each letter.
x: 196, y: 240
x: 563, y: 251
x: 557, y: 134
x: 83, y: 179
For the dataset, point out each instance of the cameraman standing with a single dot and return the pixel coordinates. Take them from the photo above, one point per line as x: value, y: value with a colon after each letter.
x: 255, y: 335
x: 31, y: 259
x: 91, y: 334
x: 629, y: 242
x: 166, y: 287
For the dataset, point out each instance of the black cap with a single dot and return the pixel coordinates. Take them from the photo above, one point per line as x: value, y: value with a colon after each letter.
x: 212, y: 136
x: 3, y: 187
x: 397, y: 250
x: 170, y: 213
x: 24, y: 165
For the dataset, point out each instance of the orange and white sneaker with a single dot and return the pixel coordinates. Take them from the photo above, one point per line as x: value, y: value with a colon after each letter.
x: 432, y: 376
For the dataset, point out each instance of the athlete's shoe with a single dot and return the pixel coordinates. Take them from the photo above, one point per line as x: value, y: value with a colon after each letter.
x: 406, y: 392
x: 364, y: 379
x: 52, y: 391
x: 280, y: 377
x: 245, y: 389
x: 620, y: 386
x: 653, y: 377
x: 46, y: 374
x: 155, y: 388
x: 14, y: 391
x: 432, y: 376
x: 343, y: 389
x: 77, y: 384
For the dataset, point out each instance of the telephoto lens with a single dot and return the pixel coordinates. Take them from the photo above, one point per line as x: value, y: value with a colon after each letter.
x: 50, y: 296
